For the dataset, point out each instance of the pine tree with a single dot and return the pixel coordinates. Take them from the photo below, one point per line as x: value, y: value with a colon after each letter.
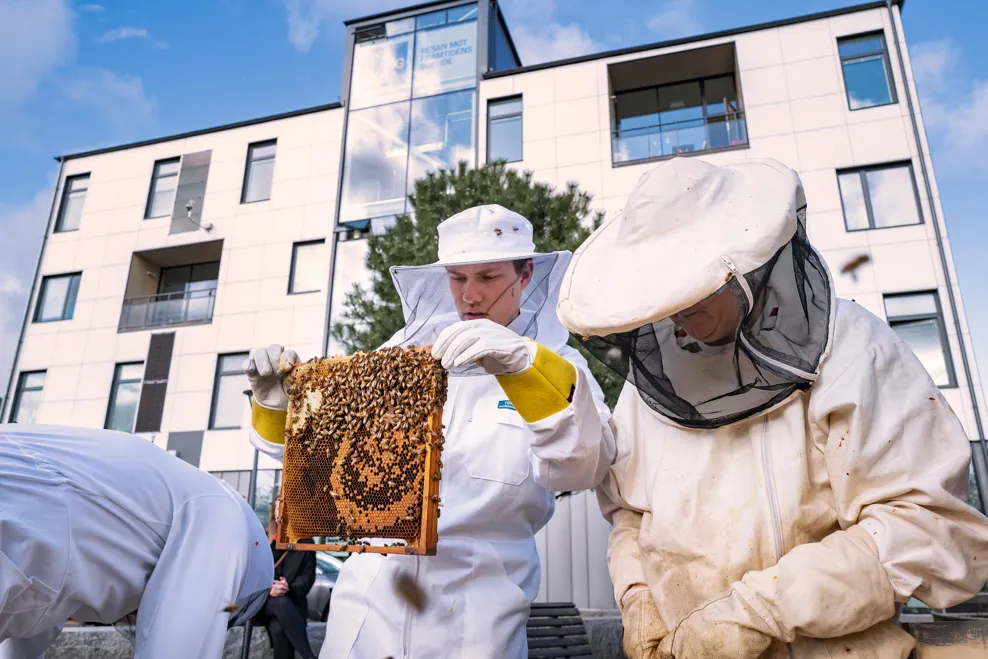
x: 561, y: 220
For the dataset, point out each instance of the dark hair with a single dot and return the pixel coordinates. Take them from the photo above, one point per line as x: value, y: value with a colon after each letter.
x: 520, y: 265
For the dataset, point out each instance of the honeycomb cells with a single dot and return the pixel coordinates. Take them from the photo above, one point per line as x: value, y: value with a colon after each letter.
x: 363, y: 444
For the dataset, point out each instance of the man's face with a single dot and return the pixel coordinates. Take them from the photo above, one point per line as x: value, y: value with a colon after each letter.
x: 712, y: 320
x: 489, y: 290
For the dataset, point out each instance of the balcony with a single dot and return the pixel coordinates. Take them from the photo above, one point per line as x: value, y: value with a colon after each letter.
x: 663, y: 140
x: 164, y: 309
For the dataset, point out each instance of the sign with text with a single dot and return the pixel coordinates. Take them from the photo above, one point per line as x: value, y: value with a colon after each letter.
x: 381, y: 72
x: 445, y: 59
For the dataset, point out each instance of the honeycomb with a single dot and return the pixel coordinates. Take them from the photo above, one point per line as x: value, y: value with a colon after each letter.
x: 363, y: 448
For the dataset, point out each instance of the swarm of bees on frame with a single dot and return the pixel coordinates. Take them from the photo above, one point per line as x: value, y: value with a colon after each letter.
x: 359, y: 430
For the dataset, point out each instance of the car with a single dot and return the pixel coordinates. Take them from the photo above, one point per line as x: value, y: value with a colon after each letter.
x: 327, y: 570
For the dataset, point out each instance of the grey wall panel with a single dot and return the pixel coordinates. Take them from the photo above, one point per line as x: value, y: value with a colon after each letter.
x: 573, y: 552
x: 188, y: 445
x: 191, y: 187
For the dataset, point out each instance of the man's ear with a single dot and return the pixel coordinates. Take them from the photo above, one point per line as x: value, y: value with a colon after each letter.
x: 527, y: 272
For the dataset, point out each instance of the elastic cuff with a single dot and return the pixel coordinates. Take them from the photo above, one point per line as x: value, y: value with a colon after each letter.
x: 545, y: 389
x: 267, y: 423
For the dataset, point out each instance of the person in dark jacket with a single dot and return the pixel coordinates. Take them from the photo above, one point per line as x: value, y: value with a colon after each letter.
x: 285, y: 612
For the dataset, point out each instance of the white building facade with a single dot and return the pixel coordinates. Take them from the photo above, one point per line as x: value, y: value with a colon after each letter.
x: 164, y: 262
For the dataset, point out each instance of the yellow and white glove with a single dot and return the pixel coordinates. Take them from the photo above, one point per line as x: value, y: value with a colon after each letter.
x: 643, y: 627
x: 724, y: 627
x: 267, y: 372
x: 538, y: 382
x: 498, y: 350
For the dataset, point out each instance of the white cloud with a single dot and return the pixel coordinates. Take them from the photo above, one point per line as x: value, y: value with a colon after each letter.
x: 36, y: 37
x: 305, y: 17
x: 92, y: 8
x: 22, y: 228
x: 539, y: 37
x: 553, y: 42
x: 122, y: 33
x: 119, y: 98
x: 161, y: 45
x: 954, y: 108
x: 675, y: 19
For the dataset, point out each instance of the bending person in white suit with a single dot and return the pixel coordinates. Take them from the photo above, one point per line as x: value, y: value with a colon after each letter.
x: 97, y: 524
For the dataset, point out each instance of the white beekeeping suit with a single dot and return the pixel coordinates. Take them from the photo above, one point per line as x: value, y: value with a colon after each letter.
x: 98, y: 524
x: 787, y: 472
x: 523, y: 418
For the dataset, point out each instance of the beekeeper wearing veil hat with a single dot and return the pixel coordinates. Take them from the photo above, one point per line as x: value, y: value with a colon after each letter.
x: 523, y: 418
x: 787, y: 472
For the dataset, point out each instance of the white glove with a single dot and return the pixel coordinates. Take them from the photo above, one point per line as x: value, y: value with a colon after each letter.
x: 266, y: 370
x: 498, y: 350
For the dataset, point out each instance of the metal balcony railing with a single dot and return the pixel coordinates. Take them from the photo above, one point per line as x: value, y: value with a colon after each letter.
x: 186, y: 307
x: 664, y: 140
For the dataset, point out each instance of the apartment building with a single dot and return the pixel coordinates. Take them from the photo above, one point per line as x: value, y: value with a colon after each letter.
x: 165, y: 261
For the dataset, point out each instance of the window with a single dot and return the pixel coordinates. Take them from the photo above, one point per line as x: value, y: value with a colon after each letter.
x: 308, y: 272
x: 504, y: 136
x: 27, y: 397
x: 412, y: 81
x: 867, y: 74
x: 124, y: 397
x: 683, y: 117
x: 164, y: 182
x: 917, y: 321
x: 57, y: 298
x: 228, y: 392
x: 260, y: 172
x: 73, y: 199
x: 266, y: 488
x: 879, y: 197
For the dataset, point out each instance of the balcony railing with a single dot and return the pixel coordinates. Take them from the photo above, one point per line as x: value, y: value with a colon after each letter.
x: 664, y: 140
x: 182, y: 308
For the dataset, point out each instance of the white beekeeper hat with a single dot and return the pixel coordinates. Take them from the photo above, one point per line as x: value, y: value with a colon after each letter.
x: 666, y: 251
x: 485, y: 234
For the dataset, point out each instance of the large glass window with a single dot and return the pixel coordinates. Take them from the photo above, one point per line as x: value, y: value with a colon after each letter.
x: 164, y: 182
x: 442, y: 133
x: 27, y: 397
x: 266, y: 488
x: 678, y: 118
x: 124, y: 397
x: 409, y: 80
x: 228, y: 392
x: 917, y: 321
x: 867, y: 75
x: 308, y: 271
x: 186, y: 293
x: 879, y: 197
x: 73, y: 199
x: 504, y: 129
x: 259, y: 172
x: 57, y: 298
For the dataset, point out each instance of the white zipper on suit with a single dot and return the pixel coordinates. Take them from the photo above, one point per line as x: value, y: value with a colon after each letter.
x: 406, y: 631
x: 773, y: 500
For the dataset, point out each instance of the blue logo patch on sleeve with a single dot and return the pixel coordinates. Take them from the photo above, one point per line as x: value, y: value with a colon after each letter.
x: 506, y: 405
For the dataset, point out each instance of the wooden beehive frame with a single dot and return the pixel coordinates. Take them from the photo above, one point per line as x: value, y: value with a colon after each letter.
x: 426, y: 536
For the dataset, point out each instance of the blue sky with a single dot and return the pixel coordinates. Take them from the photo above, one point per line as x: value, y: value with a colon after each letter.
x: 76, y: 75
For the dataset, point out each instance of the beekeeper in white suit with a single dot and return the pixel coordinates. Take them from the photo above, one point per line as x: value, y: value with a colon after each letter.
x: 787, y: 471
x: 98, y: 524
x: 528, y: 420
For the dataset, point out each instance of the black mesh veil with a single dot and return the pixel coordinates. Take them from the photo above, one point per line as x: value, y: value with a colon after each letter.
x: 429, y: 308
x: 785, y: 309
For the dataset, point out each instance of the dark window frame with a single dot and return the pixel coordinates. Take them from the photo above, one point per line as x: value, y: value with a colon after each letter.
x: 739, y: 115
x: 941, y: 326
x: 66, y: 190
x: 154, y: 181
x: 889, y: 78
x: 249, y: 160
x: 19, y: 392
x: 866, y: 192
x: 291, y: 270
x: 521, y: 116
x: 217, y: 374
x: 117, y: 381
x: 36, y: 317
